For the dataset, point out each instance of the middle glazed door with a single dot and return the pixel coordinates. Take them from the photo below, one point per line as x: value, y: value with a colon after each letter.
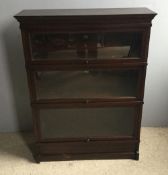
x: 87, y: 84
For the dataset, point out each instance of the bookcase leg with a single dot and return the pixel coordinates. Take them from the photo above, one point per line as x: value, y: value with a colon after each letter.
x: 137, y: 155
x: 37, y: 158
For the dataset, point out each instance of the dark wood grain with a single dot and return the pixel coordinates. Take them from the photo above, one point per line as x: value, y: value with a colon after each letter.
x: 85, y: 12
x: 88, y: 156
x: 87, y: 21
x: 87, y: 147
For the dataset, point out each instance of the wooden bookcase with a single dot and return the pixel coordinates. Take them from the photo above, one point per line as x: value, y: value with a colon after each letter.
x: 86, y: 73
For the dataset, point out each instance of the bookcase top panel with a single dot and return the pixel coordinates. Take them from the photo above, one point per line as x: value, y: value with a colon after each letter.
x: 85, y: 12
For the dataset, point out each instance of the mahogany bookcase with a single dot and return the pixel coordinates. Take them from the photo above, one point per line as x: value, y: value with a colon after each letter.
x: 86, y: 73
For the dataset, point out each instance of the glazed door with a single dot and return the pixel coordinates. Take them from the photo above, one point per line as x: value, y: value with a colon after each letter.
x: 86, y: 84
x: 85, y: 46
x: 87, y: 123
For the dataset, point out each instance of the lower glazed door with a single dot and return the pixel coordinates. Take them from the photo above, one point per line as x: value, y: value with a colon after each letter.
x: 88, y: 123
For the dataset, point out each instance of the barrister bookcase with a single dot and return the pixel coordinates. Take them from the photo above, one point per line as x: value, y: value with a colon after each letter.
x: 86, y: 73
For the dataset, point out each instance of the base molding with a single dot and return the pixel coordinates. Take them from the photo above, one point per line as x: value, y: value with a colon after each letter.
x: 92, y: 150
x: 91, y: 156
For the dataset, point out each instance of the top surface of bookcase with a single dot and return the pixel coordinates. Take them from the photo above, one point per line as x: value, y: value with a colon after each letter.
x: 85, y: 12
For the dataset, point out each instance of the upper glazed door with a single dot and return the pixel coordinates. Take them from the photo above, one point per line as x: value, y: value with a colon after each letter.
x: 85, y: 46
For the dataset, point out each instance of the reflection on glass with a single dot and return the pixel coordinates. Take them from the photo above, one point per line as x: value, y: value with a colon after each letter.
x: 85, y: 45
x: 86, y: 84
x: 87, y: 122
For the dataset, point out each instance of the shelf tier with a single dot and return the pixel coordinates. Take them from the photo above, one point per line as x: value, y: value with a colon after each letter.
x: 86, y: 84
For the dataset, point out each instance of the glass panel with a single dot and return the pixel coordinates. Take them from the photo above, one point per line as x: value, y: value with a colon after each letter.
x: 87, y: 122
x: 86, y: 84
x: 85, y: 46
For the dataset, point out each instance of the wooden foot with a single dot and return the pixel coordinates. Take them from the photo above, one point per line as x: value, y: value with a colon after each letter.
x: 137, y: 155
x: 37, y: 158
